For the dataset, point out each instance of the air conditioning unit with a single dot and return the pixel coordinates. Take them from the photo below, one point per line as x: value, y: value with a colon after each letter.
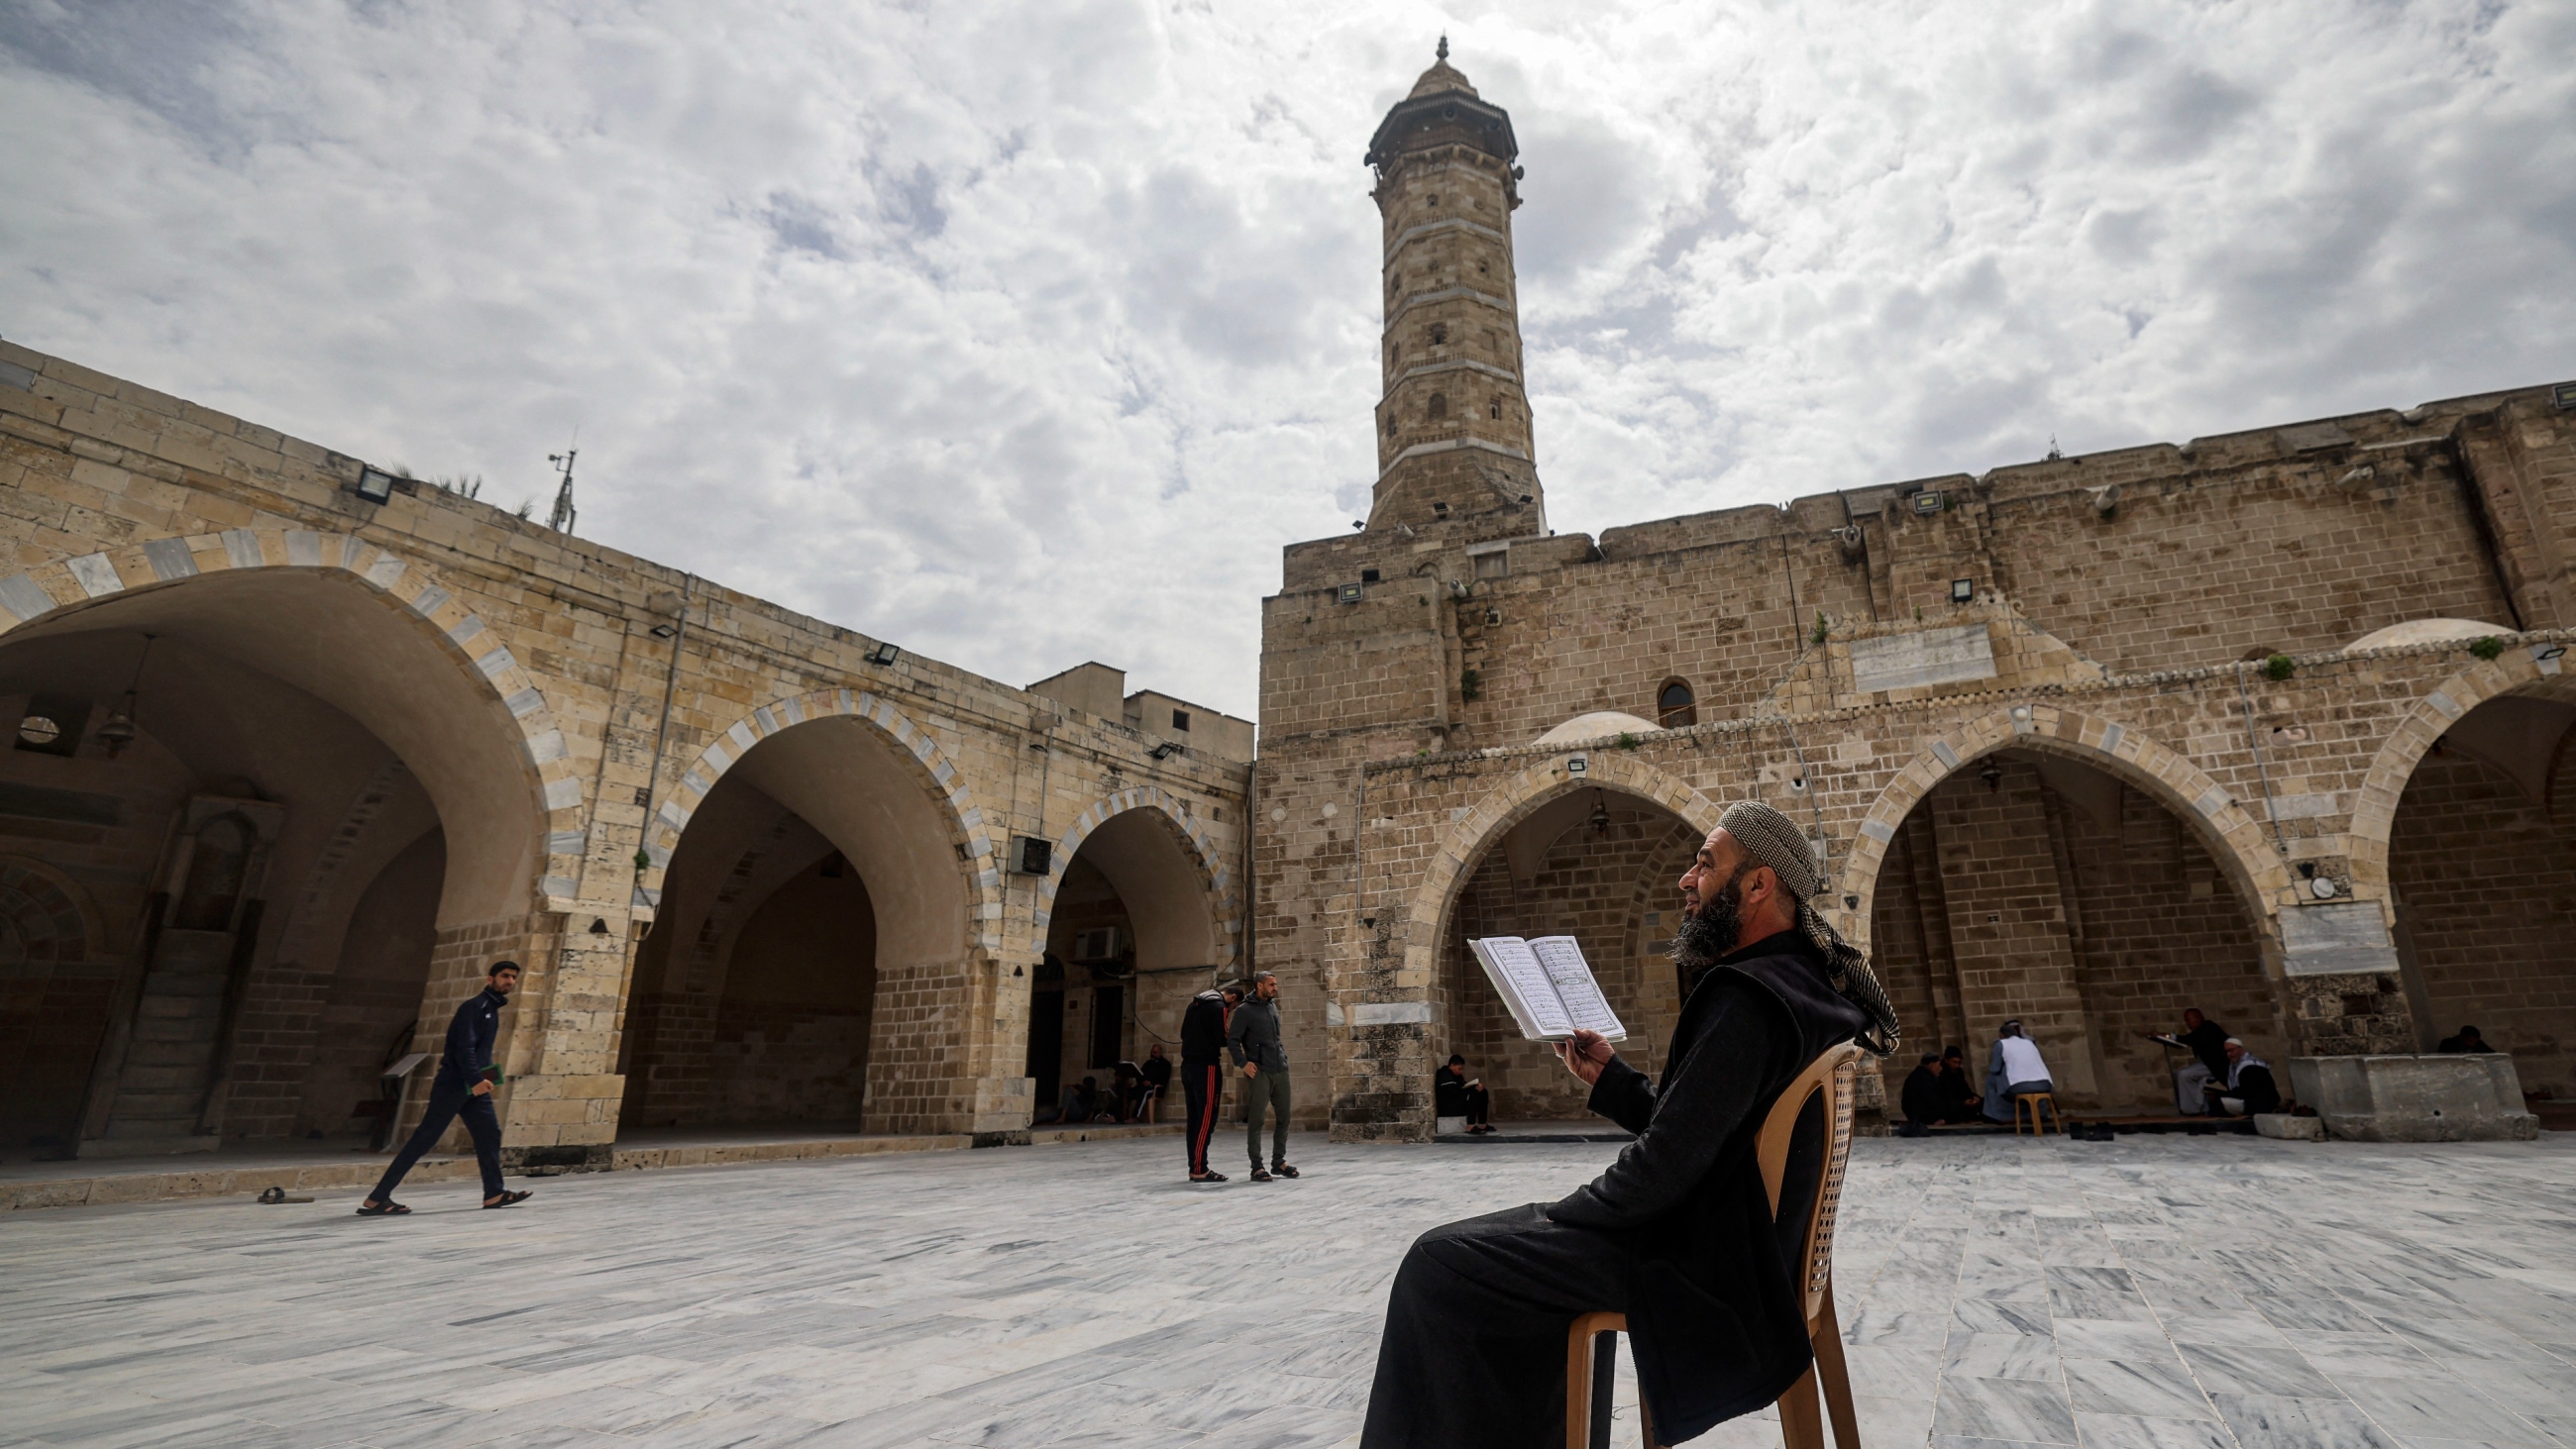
x: 1102, y: 943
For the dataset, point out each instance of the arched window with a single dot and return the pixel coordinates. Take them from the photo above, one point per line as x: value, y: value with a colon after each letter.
x: 1439, y: 406
x: 1390, y: 422
x: 1494, y: 409
x: 1674, y: 706
x: 1439, y: 333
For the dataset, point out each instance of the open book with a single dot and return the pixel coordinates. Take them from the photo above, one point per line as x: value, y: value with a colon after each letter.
x: 1548, y: 987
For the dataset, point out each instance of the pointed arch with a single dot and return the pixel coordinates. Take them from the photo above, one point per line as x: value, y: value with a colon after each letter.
x: 58, y: 593
x: 1476, y: 831
x: 2233, y: 834
x: 1176, y: 818
x: 919, y: 755
x: 2374, y: 814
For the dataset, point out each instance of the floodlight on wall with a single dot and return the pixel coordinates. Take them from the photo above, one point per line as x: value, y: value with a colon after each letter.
x: 1346, y: 593
x: 1963, y: 591
x: 1929, y: 501
x: 2554, y: 651
x: 374, y: 484
x: 884, y: 654
x: 1578, y: 765
x: 1166, y: 750
x: 663, y: 631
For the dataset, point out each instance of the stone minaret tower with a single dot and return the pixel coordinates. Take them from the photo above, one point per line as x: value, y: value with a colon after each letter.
x: 1453, y: 425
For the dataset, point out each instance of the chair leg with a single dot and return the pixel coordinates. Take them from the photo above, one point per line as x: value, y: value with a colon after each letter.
x: 1578, y: 1384
x: 1834, y: 1377
x: 1605, y: 1387
x: 1801, y: 1427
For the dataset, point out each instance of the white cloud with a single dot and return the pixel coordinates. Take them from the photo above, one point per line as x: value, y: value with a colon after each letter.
x: 1028, y: 336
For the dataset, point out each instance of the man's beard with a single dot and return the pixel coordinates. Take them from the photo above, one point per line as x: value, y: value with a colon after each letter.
x: 1709, y: 933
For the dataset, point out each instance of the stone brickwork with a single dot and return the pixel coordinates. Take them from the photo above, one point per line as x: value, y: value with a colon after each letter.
x: 2170, y: 822
x: 530, y: 699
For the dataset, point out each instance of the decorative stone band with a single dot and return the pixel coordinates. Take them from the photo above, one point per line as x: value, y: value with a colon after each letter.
x: 1176, y: 816
x: 931, y: 767
x: 73, y: 581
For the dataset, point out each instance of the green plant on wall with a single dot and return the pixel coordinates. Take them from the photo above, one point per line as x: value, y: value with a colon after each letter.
x: 1821, y: 627
x: 1471, y: 686
x: 1627, y: 740
x: 2280, y: 666
x: 2488, y: 647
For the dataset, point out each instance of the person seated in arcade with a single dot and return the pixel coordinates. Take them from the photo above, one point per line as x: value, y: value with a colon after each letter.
x: 1455, y: 1095
x: 1677, y: 1233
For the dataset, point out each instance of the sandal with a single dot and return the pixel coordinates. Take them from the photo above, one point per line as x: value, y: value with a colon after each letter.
x: 1260, y: 1176
x: 1210, y: 1176
x: 386, y: 1209
x: 509, y: 1199
x: 1281, y: 1169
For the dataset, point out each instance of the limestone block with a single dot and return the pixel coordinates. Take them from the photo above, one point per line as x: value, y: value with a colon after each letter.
x: 2290, y: 1129
x: 2466, y: 1098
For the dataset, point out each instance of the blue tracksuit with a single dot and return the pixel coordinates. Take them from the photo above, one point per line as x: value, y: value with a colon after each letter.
x: 467, y: 1056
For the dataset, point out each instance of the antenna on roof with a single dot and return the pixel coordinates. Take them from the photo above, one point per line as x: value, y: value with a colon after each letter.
x: 561, y: 519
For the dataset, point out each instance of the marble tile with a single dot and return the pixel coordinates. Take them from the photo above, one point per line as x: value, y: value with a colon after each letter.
x: 2234, y: 1369
x: 2261, y: 1422
x: 2000, y: 1356
x: 1979, y: 1315
x: 2153, y: 1387
x: 2130, y: 1431
x: 2442, y: 1409
x: 2003, y: 1409
x: 2111, y: 1338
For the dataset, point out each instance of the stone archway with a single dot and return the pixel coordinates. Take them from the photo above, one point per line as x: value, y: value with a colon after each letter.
x: 2233, y: 834
x: 68, y: 594
x: 790, y: 789
x: 1507, y: 804
x: 2374, y: 816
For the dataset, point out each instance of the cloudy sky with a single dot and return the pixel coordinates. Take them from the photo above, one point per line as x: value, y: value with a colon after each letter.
x: 1028, y: 335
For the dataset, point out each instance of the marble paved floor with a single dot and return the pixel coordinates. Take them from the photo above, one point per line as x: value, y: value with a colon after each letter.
x: 2176, y: 1293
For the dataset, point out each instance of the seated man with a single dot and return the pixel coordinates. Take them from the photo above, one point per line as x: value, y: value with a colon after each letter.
x: 1158, y: 1079
x: 2014, y: 1068
x: 1958, y: 1104
x: 1081, y: 1101
x: 2467, y: 1041
x: 1453, y: 1095
x: 2206, y: 1040
x: 2248, y: 1087
x: 1921, y: 1099
x: 1677, y: 1233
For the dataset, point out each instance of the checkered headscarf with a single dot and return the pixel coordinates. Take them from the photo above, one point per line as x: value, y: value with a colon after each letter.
x: 1771, y: 838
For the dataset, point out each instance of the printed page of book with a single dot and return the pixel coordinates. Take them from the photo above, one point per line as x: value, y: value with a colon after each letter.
x: 1562, y: 958
x: 1523, y: 983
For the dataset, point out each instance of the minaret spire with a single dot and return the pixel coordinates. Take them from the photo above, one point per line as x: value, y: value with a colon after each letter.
x: 1453, y: 424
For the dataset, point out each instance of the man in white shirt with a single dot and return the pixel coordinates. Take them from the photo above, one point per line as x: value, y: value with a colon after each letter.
x: 2018, y: 1064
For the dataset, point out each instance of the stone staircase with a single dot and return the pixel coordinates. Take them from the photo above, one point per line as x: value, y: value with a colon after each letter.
x: 161, y: 1090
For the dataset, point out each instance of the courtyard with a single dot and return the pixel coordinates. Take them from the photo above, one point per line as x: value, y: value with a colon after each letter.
x: 2153, y: 1293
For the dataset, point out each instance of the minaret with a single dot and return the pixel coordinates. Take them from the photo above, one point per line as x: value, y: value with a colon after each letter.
x: 1453, y: 425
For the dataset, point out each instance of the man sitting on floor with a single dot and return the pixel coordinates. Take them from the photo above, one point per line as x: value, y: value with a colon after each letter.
x: 2467, y: 1041
x: 2206, y: 1040
x: 2248, y: 1087
x: 1678, y: 1233
x: 1453, y: 1095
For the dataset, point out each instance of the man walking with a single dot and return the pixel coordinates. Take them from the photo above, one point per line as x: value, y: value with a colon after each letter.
x: 463, y: 1087
x: 1253, y: 1037
x: 1202, y: 1054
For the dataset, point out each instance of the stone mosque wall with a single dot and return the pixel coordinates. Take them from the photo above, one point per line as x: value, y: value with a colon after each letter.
x: 302, y: 749
x: 2083, y: 741
x: 2271, y: 724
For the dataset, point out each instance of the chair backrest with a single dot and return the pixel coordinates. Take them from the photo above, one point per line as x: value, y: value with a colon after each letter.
x: 1828, y: 1083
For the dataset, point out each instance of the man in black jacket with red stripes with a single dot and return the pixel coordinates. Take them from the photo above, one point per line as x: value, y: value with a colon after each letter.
x: 1202, y: 1065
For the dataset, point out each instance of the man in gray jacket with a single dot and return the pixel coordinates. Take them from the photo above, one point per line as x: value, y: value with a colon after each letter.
x: 1253, y: 1037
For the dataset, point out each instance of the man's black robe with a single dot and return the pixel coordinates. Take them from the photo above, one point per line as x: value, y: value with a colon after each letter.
x: 1678, y: 1234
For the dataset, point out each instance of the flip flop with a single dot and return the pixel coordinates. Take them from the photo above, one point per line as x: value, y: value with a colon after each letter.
x: 509, y: 1199
x: 386, y: 1209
